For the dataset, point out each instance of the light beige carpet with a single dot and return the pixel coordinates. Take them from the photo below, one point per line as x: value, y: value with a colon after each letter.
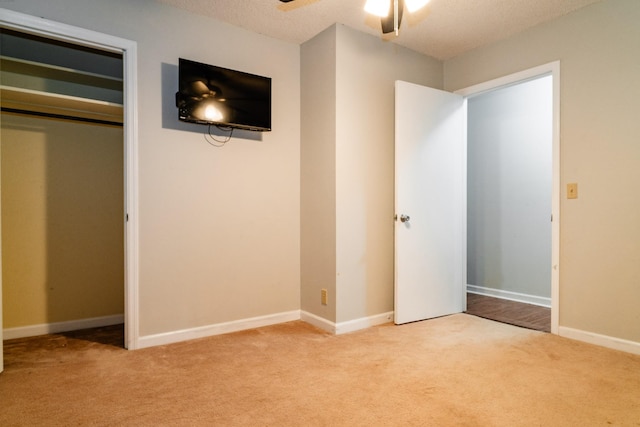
x: 458, y: 370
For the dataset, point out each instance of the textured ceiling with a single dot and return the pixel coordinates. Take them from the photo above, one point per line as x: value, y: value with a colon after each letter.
x: 443, y: 29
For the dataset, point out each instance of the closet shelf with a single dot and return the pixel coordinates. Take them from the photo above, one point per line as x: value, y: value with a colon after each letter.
x: 55, y: 72
x: 47, y: 89
x: 63, y: 105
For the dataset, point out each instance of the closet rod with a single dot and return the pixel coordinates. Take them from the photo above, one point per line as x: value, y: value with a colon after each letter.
x: 59, y: 116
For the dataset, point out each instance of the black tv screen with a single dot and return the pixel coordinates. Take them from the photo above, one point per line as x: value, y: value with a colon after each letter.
x: 227, y: 98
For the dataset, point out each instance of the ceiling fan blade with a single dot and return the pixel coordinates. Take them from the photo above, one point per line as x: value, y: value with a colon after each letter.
x: 388, y: 21
x: 289, y: 5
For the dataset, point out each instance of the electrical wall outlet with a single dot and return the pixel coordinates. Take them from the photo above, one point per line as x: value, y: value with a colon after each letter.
x: 323, y: 296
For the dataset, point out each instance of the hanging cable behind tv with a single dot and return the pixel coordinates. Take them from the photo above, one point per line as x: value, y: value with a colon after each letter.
x: 212, y: 140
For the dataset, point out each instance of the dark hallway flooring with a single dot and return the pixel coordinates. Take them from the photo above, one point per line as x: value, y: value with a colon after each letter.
x: 515, y: 313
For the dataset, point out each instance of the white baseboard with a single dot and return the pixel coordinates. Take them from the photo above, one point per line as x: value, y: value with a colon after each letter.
x: 511, y: 296
x: 318, y: 322
x: 203, y: 331
x: 363, y: 323
x: 217, y: 329
x: 601, y: 340
x: 54, y: 328
x: 348, y: 326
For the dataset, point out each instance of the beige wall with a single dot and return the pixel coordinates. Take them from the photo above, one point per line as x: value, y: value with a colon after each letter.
x: 219, y: 227
x: 598, y: 48
x: 62, y: 220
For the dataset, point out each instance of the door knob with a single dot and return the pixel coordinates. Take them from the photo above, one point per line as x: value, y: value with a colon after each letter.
x: 404, y: 218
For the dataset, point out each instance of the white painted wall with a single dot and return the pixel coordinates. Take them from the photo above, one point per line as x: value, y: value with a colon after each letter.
x: 509, y: 176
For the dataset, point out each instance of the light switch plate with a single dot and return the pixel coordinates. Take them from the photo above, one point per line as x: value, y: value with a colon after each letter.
x: 572, y: 191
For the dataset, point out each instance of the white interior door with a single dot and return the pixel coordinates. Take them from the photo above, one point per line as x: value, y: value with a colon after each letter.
x: 430, y: 170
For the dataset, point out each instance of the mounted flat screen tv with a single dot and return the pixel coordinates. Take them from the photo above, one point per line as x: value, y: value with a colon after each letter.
x: 222, y: 97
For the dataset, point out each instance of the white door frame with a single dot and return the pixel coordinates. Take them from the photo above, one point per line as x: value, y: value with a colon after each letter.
x: 553, y: 69
x: 80, y: 36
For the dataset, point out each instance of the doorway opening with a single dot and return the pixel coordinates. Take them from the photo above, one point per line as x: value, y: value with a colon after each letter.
x: 62, y: 171
x: 85, y: 101
x: 512, y: 203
